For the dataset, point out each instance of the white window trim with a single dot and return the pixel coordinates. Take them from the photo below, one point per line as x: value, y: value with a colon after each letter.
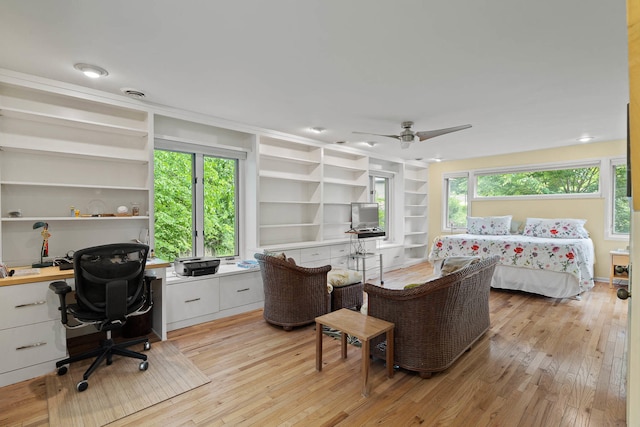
x: 473, y: 181
x: 608, y: 205
x: 390, y: 202
x: 445, y: 198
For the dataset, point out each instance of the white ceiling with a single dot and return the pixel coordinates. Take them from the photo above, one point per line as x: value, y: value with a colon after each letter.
x: 526, y: 74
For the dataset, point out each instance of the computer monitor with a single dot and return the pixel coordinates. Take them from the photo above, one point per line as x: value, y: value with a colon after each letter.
x: 364, y: 215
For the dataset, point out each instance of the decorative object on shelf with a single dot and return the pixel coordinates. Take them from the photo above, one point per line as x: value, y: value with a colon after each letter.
x: 122, y: 210
x: 135, y: 209
x: 16, y: 214
x: 96, y: 207
x: 44, y: 250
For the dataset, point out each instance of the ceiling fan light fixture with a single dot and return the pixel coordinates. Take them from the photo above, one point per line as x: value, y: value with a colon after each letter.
x: 91, y: 71
x: 405, y: 144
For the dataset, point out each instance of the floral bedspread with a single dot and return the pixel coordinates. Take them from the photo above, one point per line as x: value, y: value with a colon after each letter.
x: 573, y: 256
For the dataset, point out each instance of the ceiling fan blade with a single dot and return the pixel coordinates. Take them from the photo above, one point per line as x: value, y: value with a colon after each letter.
x: 427, y: 134
x: 377, y: 134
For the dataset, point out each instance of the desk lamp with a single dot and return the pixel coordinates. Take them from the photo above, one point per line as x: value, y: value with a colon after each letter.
x: 44, y: 251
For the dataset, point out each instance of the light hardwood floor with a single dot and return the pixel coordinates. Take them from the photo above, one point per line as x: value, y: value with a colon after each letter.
x: 544, y: 362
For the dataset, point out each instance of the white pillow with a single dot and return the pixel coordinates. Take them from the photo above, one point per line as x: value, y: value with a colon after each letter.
x: 489, y: 225
x: 557, y: 228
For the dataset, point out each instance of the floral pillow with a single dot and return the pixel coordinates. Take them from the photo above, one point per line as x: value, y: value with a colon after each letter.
x: 489, y: 225
x: 558, y: 228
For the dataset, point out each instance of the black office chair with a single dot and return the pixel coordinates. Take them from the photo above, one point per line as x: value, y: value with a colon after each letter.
x: 110, y: 287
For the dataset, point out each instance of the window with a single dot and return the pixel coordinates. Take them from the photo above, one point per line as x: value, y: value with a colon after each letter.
x: 620, y: 209
x: 456, y: 201
x: 380, y: 185
x: 541, y: 182
x: 195, y: 203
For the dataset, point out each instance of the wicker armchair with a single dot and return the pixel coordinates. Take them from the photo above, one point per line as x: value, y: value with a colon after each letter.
x: 435, y: 323
x: 293, y: 295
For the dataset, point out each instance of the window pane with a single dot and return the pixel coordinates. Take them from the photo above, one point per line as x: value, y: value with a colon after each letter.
x: 173, y: 204
x: 621, y: 208
x: 457, y: 202
x: 220, y: 206
x: 380, y: 196
x: 559, y: 181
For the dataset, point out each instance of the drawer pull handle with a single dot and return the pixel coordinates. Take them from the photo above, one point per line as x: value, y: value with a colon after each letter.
x: 193, y: 300
x: 24, y: 347
x: 30, y: 304
x: 243, y: 290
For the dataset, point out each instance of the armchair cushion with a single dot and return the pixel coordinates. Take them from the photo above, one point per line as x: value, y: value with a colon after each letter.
x: 338, y: 277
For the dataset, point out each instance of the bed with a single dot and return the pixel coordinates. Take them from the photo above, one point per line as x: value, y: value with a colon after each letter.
x: 543, y: 261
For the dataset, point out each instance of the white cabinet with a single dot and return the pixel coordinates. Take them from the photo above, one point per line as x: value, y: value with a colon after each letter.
x: 194, y: 300
x: 60, y: 151
x: 239, y: 290
x: 289, y: 192
x: 345, y: 180
x: 32, y: 338
x: 415, y: 215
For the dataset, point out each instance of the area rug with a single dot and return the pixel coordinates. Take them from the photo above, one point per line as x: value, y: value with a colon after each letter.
x: 121, y: 389
x: 334, y: 333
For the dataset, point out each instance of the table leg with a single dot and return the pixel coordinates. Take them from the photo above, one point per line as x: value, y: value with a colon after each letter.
x: 318, y: 346
x: 390, y: 353
x: 365, y: 368
x: 611, y: 269
x: 343, y: 343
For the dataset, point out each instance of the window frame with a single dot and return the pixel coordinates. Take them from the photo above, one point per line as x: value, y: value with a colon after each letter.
x: 474, y: 174
x: 389, y: 195
x: 199, y: 152
x: 445, y: 199
x: 610, y: 200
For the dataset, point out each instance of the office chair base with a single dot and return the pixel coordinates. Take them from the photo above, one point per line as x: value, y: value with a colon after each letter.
x: 105, y: 352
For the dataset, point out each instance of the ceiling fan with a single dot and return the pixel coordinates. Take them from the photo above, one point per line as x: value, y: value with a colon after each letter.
x: 407, y: 136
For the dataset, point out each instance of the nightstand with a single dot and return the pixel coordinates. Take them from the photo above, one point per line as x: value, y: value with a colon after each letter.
x: 618, y: 257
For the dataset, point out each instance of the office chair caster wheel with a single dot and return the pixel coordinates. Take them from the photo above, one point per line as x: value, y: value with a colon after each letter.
x: 147, y: 346
x: 82, y: 385
x: 144, y: 366
x: 62, y: 370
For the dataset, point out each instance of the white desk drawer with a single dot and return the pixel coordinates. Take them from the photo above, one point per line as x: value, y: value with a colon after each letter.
x: 310, y: 255
x: 26, y: 304
x: 338, y: 251
x: 32, y: 344
x: 240, y: 289
x: 192, y: 299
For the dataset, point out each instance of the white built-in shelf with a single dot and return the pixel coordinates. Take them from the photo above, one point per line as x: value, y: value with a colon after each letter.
x: 310, y: 224
x: 298, y: 160
x: 290, y: 202
x: 287, y: 176
x: 414, y: 233
x: 345, y: 182
x: 71, y: 122
x: 70, y: 218
x: 55, y: 185
x: 140, y: 157
x: 420, y: 193
x: 414, y: 216
x: 416, y: 206
x: 414, y: 245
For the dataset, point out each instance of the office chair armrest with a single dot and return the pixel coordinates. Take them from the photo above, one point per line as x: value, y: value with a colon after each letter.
x: 61, y: 289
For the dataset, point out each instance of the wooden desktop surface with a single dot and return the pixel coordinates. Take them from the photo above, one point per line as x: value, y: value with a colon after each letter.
x: 49, y: 274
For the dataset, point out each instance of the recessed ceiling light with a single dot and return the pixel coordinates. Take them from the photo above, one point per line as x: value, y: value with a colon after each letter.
x: 436, y: 159
x: 341, y: 142
x: 317, y: 129
x: 91, y: 71
x: 371, y: 143
x: 585, y: 138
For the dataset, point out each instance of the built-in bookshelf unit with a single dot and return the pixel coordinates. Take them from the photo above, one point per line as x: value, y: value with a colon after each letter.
x: 289, y: 192
x: 415, y: 213
x: 345, y: 180
x: 60, y: 151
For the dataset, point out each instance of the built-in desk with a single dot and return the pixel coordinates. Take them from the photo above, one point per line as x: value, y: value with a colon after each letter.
x: 32, y: 337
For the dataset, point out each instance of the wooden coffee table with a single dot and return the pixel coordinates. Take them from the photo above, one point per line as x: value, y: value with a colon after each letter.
x: 361, y: 326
